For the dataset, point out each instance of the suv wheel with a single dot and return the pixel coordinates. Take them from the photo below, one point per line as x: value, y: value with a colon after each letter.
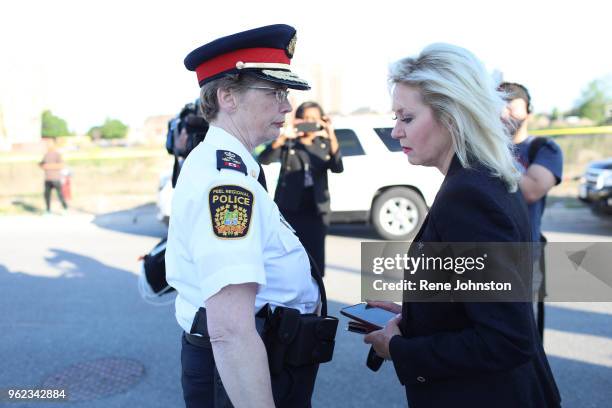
x: 397, y: 214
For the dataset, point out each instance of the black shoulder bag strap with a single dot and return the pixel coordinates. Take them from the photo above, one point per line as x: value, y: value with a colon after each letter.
x: 176, y: 169
x: 534, y: 148
x: 314, y: 271
x: 316, y: 275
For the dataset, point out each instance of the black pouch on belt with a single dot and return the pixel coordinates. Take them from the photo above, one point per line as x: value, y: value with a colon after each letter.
x: 298, y: 339
x: 314, y: 342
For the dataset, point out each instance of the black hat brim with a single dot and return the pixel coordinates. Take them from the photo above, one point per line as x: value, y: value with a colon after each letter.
x: 282, y: 77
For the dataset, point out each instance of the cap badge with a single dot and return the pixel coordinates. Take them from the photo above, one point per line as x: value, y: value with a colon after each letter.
x: 291, y: 46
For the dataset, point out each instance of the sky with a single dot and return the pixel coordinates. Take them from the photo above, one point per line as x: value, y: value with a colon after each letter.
x: 88, y: 60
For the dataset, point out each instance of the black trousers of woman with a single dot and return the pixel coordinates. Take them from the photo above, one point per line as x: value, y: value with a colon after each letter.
x: 311, y: 230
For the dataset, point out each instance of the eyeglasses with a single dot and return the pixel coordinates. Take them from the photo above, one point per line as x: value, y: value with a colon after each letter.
x: 280, y: 94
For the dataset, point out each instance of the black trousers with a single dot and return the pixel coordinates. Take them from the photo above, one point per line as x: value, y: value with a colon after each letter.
x: 311, y: 230
x: 198, y: 375
x: 202, y: 386
x: 57, y: 185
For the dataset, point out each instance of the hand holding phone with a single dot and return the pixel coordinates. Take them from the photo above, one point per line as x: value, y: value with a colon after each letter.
x: 307, y: 127
x: 288, y: 132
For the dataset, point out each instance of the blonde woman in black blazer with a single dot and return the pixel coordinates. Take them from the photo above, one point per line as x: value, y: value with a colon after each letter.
x: 463, y: 354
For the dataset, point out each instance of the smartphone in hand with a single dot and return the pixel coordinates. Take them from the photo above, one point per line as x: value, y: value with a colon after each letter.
x: 359, y: 328
x: 307, y: 127
x: 367, y: 318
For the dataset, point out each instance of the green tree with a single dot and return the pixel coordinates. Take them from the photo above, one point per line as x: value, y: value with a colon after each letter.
x: 111, y: 129
x: 95, y: 132
x: 555, y: 114
x: 594, y: 99
x: 53, y: 126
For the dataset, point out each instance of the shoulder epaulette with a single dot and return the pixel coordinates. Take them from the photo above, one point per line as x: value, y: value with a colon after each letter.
x: 230, y: 160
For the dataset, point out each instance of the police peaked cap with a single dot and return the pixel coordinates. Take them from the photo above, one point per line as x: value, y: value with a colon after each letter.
x: 263, y: 52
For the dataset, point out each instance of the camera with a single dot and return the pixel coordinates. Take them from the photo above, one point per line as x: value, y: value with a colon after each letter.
x: 186, y: 130
x: 196, y: 128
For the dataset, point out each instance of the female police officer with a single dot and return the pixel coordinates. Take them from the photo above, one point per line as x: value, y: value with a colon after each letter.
x: 229, y: 250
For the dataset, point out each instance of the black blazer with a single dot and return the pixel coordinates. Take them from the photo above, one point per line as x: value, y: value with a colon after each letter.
x: 473, y: 354
x: 294, y: 156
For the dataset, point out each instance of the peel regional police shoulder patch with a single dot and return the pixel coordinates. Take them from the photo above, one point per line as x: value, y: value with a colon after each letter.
x: 231, y: 208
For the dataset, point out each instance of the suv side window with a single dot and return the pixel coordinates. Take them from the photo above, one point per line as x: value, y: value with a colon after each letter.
x: 385, y: 135
x: 349, y: 143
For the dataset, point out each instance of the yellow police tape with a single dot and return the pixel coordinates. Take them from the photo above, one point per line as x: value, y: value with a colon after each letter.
x: 593, y: 130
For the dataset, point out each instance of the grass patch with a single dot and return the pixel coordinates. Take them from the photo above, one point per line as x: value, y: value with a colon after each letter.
x: 578, y: 151
x: 98, y: 185
x: 22, y: 206
x: 106, y: 180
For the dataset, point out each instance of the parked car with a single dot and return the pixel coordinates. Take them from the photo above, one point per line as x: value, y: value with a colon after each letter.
x: 378, y: 185
x: 596, y: 186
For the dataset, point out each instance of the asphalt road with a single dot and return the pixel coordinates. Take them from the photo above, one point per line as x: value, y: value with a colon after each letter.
x: 71, y: 313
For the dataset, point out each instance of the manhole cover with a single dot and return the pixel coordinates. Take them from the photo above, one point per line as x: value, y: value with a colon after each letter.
x: 97, y: 378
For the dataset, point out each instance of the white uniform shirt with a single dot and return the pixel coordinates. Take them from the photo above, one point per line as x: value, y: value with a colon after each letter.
x: 208, y: 245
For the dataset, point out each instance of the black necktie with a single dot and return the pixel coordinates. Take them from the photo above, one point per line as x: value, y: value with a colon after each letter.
x: 262, y: 178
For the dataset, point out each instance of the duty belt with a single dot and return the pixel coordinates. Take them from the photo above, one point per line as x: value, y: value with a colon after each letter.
x: 291, y: 338
x: 199, y: 326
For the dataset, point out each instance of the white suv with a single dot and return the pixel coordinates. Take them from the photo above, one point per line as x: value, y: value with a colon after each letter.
x: 378, y: 184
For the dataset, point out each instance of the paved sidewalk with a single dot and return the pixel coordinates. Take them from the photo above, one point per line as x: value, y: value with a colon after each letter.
x: 71, y: 307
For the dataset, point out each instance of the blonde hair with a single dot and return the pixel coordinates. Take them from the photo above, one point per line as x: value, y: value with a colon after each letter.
x: 464, y: 99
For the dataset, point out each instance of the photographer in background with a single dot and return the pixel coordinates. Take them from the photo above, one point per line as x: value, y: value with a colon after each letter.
x: 307, y: 148
x: 185, y: 132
